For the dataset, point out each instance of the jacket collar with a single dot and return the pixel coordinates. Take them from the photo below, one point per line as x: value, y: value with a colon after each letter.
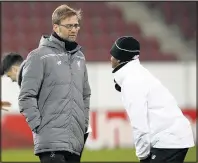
x: 62, y: 44
x: 122, y: 70
x: 119, y: 66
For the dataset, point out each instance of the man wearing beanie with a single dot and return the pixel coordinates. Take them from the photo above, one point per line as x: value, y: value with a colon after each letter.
x: 161, y: 132
x: 55, y: 92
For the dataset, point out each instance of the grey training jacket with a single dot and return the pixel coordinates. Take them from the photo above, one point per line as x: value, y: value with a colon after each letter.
x: 55, y: 96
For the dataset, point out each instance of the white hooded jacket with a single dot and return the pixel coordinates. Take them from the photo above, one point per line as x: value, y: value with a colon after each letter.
x: 156, y: 119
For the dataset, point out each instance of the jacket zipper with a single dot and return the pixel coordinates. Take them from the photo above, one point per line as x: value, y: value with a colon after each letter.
x: 69, y: 56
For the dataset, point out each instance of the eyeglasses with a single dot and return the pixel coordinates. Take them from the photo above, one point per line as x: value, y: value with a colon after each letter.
x: 70, y: 26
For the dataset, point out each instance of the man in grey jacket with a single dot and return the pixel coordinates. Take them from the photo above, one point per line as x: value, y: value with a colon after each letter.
x: 55, y: 92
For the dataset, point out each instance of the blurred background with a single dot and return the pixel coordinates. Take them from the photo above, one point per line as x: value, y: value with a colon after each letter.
x: 167, y: 34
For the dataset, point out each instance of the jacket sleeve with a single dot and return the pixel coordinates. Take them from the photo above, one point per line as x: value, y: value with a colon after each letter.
x: 135, y: 102
x: 86, y: 98
x: 32, y: 77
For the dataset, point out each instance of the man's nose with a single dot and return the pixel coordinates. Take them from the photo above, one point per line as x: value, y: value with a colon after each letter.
x: 74, y: 29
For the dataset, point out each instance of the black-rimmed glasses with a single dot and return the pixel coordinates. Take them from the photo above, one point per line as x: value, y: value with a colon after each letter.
x: 70, y: 26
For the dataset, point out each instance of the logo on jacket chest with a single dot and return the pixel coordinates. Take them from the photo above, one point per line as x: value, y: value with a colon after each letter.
x: 59, y: 62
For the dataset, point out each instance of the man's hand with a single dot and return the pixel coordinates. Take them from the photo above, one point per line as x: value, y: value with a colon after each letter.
x: 5, y: 105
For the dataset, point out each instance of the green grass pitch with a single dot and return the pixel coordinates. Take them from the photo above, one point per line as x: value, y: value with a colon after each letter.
x: 100, y: 155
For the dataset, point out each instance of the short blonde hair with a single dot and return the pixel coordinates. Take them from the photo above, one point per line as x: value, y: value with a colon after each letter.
x: 64, y: 11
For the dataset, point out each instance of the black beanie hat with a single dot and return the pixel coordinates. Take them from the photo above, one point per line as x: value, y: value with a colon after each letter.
x: 125, y: 48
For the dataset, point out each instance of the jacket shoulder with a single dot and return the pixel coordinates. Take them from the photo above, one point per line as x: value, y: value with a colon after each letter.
x: 39, y: 52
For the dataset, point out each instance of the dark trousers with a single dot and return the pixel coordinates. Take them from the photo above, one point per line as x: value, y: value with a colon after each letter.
x: 159, y: 155
x: 85, y: 139
x: 58, y: 157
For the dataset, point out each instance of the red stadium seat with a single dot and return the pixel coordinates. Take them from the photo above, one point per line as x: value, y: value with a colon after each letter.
x: 100, y: 27
x: 185, y: 18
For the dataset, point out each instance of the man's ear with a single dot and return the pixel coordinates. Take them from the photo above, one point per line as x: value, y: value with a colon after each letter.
x: 11, y: 69
x: 14, y: 68
x: 56, y: 28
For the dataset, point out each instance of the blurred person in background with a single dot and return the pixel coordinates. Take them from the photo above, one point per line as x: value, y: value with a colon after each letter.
x: 9, y: 89
x: 55, y: 92
x: 160, y: 130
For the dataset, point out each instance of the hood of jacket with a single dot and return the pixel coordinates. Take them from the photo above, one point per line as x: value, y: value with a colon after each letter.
x: 53, y: 42
x: 19, y: 75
